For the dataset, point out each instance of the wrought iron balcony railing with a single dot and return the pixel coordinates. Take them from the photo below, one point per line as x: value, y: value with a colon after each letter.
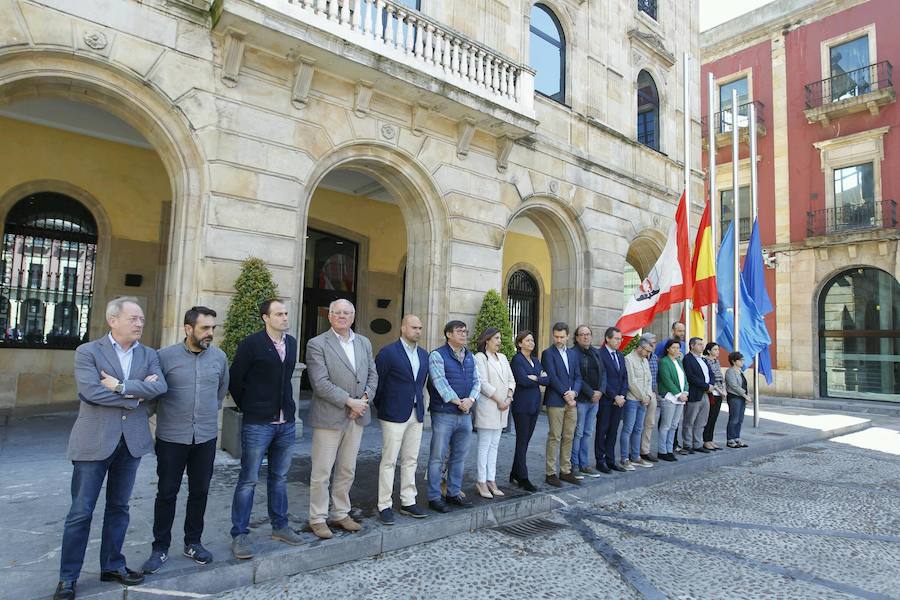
x: 852, y: 84
x: 648, y: 7
x: 852, y: 217
x: 722, y: 120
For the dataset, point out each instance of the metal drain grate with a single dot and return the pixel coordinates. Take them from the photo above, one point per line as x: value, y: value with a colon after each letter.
x: 531, y: 528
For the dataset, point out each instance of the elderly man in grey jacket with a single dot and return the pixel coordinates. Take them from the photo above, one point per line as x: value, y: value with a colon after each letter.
x: 116, y: 378
x: 342, y: 373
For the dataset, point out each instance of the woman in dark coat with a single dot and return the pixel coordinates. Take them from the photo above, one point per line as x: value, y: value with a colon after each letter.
x: 526, y: 406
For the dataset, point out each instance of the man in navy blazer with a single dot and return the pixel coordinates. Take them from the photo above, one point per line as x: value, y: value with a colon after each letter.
x: 696, y: 411
x: 400, y: 401
x: 562, y: 366
x: 611, y: 402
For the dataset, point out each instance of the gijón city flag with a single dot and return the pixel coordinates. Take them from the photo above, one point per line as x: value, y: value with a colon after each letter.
x: 667, y: 283
x: 704, y: 274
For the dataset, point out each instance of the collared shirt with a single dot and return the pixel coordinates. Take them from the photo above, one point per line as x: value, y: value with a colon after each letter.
x: 188, y: 413
x: 412, y: 353
x: 281, y: 349
x: 615, y: 358
x: 564, y: 352
x: 439, y: 376
x: 347, y: 347
x: 680, y: 372
x: 704, y: 367
x: 125, y: 358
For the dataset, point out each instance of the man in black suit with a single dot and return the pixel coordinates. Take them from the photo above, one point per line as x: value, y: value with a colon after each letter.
x: 611, y: 402
x: 696, y: 411
x: 260, y: 384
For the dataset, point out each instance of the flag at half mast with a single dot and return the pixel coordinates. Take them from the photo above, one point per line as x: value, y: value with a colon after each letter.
x: 667, y: 283
x: 704, y: 274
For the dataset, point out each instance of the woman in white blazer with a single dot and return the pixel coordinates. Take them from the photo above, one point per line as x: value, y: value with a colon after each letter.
x: 491, y: 408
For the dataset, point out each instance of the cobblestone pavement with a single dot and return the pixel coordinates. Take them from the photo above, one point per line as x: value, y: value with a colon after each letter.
x: 818, y: 521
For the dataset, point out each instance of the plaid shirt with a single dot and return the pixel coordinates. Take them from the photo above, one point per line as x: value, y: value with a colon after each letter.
x: 654, y: 369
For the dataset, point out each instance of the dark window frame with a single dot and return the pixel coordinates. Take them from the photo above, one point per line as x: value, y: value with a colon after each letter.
x: 560, y: 96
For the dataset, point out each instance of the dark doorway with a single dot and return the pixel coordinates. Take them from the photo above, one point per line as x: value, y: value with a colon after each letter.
x: 522, y: 302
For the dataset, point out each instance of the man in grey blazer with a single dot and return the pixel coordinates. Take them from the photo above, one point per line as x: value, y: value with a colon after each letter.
x: 342, y: 373
x: 116, y: 378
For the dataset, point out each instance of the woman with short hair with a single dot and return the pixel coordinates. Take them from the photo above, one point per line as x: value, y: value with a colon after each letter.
x: 673, y: 393
x: 491, y: 408
x: 737, y: 398
x: 526, y: 407
x: 711, y: 356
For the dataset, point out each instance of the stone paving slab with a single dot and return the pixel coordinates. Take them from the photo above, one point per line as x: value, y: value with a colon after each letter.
x: 34, y: 480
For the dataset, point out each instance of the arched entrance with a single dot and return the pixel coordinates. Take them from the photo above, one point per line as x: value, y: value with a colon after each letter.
x: 544, y: 237
x: 859, y: 335
x: 643, y: 252
x: 112, y: 144
x: 382, y: 230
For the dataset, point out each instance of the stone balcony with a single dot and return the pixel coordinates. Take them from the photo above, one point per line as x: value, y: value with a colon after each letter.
x: 384, y: 46
x: 869, y: 89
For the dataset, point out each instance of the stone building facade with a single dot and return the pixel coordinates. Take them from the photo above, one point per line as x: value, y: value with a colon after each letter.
x: 819, y: 73
x: 407, y: 155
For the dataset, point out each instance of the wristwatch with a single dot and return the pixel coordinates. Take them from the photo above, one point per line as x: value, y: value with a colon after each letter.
x: 120, y: 387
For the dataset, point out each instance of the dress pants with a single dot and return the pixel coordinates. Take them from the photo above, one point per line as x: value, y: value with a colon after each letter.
x: 650, y: 424
x: 403, y: 440
x: 695, y: 415
x: 119, y: 470
x: 670, y: 414
x: 715, y: 405
x: 333, y: 449
x: 488, y: 444
x: 608, y: 419
x: 562, y: 421
x: 525, y: 424
x: 171, y: 461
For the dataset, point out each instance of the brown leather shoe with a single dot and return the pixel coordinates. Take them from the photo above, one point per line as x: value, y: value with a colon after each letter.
x: 569, y: 478
x: 347, y: 524
x: 321, y: 530
x: 553, y: 480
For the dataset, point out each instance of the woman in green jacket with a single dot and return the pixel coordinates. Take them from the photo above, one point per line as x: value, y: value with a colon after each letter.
x: 672, y: 385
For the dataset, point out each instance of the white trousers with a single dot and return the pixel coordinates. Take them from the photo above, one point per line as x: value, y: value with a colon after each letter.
x: 403, y: 440
x: 488, y: 443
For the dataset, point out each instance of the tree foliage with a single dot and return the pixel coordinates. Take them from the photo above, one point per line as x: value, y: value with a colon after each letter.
x: 253, y: 286
x: 494, y: 313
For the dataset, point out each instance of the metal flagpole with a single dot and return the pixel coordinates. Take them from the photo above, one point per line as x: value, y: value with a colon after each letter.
x: 687, y: 184
x: 736, y: 196
x: 713, y: 215
x: 755, y: 205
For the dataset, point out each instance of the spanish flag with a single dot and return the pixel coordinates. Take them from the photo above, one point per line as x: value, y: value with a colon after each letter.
x: 703, y: 267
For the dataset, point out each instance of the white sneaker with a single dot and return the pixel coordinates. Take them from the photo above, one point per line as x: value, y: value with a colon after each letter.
x: 643, y: 463
x: 626, y: 464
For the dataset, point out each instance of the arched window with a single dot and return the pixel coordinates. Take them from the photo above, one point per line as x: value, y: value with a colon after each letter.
x: 647, y: 111
x: 49, y: 255
x: 859, y: 335
x: 548, y: 53
x: 523, y: 303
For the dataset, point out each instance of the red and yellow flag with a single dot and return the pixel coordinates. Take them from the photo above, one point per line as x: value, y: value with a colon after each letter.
x: 703, y: 268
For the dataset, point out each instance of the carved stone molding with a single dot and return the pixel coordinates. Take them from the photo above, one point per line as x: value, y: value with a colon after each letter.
x: 302, y: 81
x: 233, y: 57
x: 464, y: 132
x: 419, y: 116
x: 504, y: 147
x: 363, y: 97
x: 653, y: 44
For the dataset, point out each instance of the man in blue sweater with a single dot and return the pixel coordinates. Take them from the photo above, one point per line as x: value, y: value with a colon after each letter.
x: 453, y: 386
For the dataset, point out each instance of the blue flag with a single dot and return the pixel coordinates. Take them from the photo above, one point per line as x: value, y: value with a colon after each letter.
x: 756, y: 286
x: 754, y: 337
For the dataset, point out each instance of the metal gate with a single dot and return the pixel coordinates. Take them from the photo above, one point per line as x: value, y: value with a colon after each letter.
x: 523, y: 303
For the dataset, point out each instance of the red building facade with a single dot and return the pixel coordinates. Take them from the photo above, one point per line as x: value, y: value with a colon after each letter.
x: 828, y: 164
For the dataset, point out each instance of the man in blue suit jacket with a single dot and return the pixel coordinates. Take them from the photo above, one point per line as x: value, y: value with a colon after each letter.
x: 562, y: 366
x: 402, y: 370
x: 611, y: 403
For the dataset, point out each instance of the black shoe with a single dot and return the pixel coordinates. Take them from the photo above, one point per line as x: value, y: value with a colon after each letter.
x: 668, y: 457
x: 649, y: 458
x: 65, y: 590
x: 702, y: 450
x: 515, y: 480
x: 526, y: 485
x: 603, y: 469
x: 674, y: 458
x: 413, y: 511
x: 386, y: 516
x: 438, y: 506
x: 617, y: 468
x: 125, y: 576
x: 458, y: 501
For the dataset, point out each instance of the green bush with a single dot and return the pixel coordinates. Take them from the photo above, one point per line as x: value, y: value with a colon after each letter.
x: 253, y: 287
x: 494, y: 313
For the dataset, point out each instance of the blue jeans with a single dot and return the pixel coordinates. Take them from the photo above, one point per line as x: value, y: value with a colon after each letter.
x: 584, y: 431
x: 449, y: 436
x: 736, y: 406
x: 119, y: 470
x: 670, y: 417
x: 257, y: 440
x: 632, y: 428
